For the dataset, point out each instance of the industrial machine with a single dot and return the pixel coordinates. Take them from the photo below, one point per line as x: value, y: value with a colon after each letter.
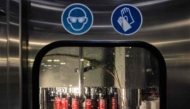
x: 96, y: 77
x: 94, y: 54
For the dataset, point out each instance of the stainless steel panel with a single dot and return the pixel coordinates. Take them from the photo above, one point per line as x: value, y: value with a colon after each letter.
x: 14, y: 59
x: 3, y: 60
x: 166, y: 25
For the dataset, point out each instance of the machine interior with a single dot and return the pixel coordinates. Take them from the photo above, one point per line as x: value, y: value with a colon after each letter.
x: 130, y: 74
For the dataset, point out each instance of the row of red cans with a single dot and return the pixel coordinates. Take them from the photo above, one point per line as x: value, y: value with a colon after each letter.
x: 63, y: 103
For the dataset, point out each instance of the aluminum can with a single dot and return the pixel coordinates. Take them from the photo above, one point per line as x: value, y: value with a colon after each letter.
x: 64, y: 103
x: 114, y: 103
x: 57, y: 103
x: 102, y: 103
x: 75, y: 103
x: 88, y: 104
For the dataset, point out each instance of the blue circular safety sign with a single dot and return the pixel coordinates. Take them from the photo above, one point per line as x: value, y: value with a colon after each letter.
x: 77, y: 19
x: 126, y: 19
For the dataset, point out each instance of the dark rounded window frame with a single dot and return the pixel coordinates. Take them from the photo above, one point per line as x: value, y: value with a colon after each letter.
x: 153, y: 50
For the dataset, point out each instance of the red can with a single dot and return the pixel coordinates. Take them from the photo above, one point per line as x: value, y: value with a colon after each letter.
x: 114, y: 103
x: 64, y: 103
x: 88, y: 104
x: 75, y: 103
x: 57, y: 103
x: 102, y: 103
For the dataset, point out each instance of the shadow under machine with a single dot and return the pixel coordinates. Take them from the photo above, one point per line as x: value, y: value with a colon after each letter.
x: 102, y: 77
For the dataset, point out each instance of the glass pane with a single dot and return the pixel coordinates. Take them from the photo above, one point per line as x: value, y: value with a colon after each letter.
x: 99, y: 78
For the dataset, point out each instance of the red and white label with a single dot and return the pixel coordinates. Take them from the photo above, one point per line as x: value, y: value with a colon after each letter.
x: 64, y: 103
x: 114, y: 103
x: 57, y: 103
x: 75, y: 103
x: 102, y: 104
x: 89, y: 104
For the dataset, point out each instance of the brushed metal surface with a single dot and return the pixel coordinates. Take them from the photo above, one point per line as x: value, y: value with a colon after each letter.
x: 3, y: 61
x: 166, y: 25
x: 13, y: 47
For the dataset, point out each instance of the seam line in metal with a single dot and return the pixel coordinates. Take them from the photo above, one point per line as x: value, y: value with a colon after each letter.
x: 20, y: 54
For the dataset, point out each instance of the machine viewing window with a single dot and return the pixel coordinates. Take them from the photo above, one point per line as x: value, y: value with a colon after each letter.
x: 123, y: 77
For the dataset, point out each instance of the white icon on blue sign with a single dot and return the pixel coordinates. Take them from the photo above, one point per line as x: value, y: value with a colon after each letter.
x: 126, y: 19
x: 77, y: 19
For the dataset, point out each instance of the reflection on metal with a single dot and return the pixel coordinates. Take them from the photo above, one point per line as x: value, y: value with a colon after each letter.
x: 62, y: 63
x: 4, y: 23
x: 14, y: 58
x: 176, y: 24
x: 49, y: 60
x: 38, y: 43
x: 123, y: 102
x: 58, y: 24
x: 13, y: 23
x: 47, y: 3
x: 46, y: 23
x: 47, y: 7
x: 81, y: 73
x: 102, y: 26
x: 177, y: 57
x: 181, y: 59
x: 3, y: 40
x: 3, y: 59
x: 170, y: 42
x: 14, y: 40
x: 56, y: 60
x: 147, y: 3
x: 31, y: 60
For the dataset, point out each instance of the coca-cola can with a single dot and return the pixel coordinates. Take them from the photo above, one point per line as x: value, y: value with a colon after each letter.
x: 57, y: 103
x: 88, y: 104
x: 102, y: 103
x: 114, y: 103
x: 75, y: 103
x: 64, y: 103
